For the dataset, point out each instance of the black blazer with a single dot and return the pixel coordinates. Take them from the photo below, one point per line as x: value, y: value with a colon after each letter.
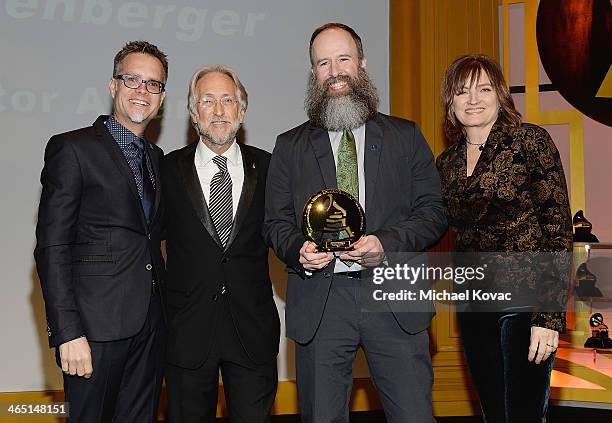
x: 403, y: 208
x: 198, y: 266
x: 95, y: 254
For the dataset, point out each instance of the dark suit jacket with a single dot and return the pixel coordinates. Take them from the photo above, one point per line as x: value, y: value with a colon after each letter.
x: 198, y: 266
x: 403, y: 207
x: 95, y: 253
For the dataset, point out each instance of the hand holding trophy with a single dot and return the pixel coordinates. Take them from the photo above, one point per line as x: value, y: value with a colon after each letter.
x: 333, y: 220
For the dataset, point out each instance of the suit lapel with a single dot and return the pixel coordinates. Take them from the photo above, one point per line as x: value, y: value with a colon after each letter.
x: 371, y: 158
x: 319, y: 139
x: 113, y: 149
x: 191, y: 182
x: 248, y: 190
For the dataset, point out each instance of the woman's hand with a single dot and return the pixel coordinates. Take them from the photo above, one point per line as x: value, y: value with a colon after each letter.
x: 543, y: 343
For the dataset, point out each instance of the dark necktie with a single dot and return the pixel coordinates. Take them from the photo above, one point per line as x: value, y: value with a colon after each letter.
x: 147, y: 198
x: 221, y: 200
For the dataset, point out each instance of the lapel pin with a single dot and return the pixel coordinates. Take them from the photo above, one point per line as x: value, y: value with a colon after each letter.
x: 374, y: 147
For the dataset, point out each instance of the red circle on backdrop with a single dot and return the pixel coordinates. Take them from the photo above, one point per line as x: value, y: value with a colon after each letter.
x: 575, y: 45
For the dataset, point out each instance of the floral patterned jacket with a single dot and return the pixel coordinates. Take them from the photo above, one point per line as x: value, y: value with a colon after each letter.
x: 515, y: 201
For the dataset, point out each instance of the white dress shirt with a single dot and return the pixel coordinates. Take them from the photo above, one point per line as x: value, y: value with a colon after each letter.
x: 335, y: 138
x: 206, y: 169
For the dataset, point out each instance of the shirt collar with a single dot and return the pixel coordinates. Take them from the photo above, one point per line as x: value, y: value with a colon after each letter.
x: 204, y: 155
x: 356, y: 131
x: 122, y: 135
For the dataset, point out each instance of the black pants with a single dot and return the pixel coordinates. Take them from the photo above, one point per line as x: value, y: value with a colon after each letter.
x: 510, y: 388
x: 249, y: 388
x: 399, y: 362
x: 126, y: 380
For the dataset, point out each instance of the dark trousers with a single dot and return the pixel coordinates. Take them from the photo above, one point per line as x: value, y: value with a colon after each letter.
x: 399, y: 363
x: 510, y: 388
x: 127, y: 375
x: 249, y: 388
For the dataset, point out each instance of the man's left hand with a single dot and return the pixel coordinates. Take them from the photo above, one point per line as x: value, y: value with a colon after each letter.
x: 368, y: 251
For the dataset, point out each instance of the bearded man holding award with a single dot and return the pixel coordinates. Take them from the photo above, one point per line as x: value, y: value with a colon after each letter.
x: 384, y: 165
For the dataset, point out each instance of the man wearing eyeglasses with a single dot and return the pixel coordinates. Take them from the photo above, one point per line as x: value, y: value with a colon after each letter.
x: 220, y: 308
x: 98, y: 249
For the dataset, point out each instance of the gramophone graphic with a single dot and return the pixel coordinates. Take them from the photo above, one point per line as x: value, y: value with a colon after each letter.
x: 336, y: 221
x: 585, y: 283
x: 582, y: 228
x: 333, y: 219
x: 600, y: 337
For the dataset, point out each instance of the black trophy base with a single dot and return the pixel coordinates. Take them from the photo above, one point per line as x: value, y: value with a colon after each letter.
x: 334, y: 246
x: 587, y: 289
x: 584, y: 235
x: 599, y: 340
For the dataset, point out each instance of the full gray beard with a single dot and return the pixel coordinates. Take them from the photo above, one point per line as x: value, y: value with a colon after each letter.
x: 337, y: 113
x: 210, y: 138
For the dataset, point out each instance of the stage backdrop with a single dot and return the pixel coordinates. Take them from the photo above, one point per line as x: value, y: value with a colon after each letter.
x: 56, y: 60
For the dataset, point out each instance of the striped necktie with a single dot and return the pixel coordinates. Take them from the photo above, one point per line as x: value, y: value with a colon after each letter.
x: 221, y: 200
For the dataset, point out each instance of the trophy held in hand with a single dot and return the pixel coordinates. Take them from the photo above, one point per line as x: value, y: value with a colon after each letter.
x: 333, y: 219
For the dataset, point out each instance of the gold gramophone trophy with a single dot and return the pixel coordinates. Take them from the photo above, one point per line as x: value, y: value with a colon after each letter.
x: 333, y: 219
x: 600, y: 337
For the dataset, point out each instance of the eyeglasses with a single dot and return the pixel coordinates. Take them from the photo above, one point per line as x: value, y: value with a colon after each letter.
x: 133, y: 82
x: 209, y: 102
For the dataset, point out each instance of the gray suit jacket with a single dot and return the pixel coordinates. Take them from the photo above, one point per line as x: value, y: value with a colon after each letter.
x: 403, y: 208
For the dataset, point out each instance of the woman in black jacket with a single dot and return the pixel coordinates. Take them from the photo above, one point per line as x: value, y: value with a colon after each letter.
x: 506, y: 197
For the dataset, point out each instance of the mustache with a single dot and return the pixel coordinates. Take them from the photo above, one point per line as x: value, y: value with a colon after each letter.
x: 335, y: 79
x: 335, y: 112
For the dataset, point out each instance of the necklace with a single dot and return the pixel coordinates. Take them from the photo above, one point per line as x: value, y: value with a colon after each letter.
x: 480, y: 145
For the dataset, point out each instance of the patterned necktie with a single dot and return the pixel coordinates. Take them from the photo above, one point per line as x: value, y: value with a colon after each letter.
x: 221, y: 200
x: 147, y: 193
x: 346, y: 173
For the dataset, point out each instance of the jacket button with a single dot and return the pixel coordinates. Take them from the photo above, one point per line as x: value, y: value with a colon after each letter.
x: 148, y: 266
x: 215, y: 297
x: 224, y: 260
x: 326, y: 275
x: 149, y: 236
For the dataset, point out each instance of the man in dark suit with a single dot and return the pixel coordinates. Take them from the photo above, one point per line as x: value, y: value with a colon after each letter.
x: 98, y: 249
x: 386, y: 164
x: 220, y: 307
